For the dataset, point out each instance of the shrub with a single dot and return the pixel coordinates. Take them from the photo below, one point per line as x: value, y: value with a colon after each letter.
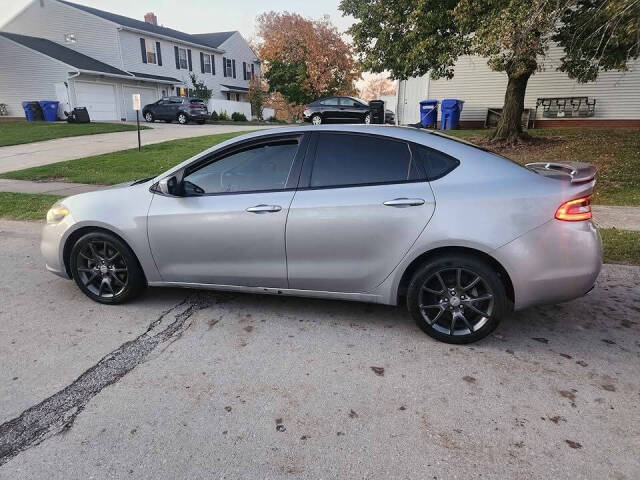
x: 238, y: 117
x: 274, y: 119
x: 214, y: 116
x: 223, y: 116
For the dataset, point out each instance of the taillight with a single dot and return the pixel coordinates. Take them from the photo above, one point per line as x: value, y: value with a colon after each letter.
x: 575, y: 210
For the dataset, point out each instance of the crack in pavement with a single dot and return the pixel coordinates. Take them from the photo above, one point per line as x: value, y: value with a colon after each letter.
x: 57, y: 413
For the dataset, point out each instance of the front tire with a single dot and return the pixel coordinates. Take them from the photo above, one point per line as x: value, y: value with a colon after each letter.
x: 182, y: 119
x: 149, y: 117
x: 316, y: 119
x: 457, y: 299
x: 367, y: 119
x: 106, y: 269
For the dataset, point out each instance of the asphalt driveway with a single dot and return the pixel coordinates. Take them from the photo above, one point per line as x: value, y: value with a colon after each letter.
x: 192, y: 384
x: 16, y: 157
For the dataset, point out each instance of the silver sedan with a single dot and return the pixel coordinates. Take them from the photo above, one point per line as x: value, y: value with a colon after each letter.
x: 377, y: 214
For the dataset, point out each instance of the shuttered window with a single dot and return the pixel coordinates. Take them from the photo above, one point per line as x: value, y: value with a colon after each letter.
x: 181, y: 58
x: 205, y: 63
x: 148, y: 50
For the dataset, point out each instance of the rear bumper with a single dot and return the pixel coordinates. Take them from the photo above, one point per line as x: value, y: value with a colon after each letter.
x: 554, y: 263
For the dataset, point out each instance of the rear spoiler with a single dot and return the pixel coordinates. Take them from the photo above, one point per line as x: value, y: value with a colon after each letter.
x: 574, y: 172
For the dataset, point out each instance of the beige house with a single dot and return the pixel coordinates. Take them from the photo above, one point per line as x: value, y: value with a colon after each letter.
x: 616, y: 94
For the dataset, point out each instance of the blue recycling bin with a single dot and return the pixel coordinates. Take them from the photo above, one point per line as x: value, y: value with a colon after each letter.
x: 49, y: 110
x: 429, y: 113
x: 451, y: 109
x: 28, y: 111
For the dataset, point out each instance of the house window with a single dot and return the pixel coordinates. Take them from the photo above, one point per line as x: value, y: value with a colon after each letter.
x: 207, y: 63
x: 228, y: 67
x: 152, y: 56
x: 182, y: 56
x: 69, y: 38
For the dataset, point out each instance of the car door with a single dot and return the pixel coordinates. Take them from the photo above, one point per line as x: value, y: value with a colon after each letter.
x: 352, y: 110
x: 362, y: 202
x: 160, y: 109
x: 228, y: 227
x: 331, y: 109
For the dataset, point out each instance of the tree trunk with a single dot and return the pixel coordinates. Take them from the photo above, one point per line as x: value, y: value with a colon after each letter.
x: 510, y: 124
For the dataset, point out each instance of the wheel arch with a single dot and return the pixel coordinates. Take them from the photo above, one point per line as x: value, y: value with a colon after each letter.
x: 420, y: 260
x: 76, y: 234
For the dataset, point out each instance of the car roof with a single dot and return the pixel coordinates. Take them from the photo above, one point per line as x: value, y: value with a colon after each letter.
x: 436, y: 140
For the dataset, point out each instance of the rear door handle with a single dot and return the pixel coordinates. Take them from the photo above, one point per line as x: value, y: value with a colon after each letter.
x: 264, y: 208
x: 404, y: 202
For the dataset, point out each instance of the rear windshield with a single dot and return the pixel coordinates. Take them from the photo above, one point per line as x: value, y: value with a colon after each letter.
x: 464, y: 142
x: 196, y: 100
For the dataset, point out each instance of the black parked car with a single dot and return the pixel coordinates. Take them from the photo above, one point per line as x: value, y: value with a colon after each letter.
x: 182, y: 109
x: 337, y: 109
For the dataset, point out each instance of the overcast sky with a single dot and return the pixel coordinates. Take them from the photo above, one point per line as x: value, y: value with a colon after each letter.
x: 200, y: 16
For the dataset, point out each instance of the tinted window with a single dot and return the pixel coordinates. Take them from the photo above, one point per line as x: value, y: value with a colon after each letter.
x: 352, y: 102
x: 330, y: 101
x: 357, y: 159
x: 263, y: 167
x: 435, y: 163
x: 196, y: 100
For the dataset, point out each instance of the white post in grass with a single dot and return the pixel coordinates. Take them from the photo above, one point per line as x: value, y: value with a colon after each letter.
x: 136, y: 107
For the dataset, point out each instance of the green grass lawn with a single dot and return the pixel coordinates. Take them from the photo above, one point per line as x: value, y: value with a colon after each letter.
x: 620, y: 246
x: 14, y: 133
x: 615, y: 152
x: 125, y: 165
x: 25, y: 206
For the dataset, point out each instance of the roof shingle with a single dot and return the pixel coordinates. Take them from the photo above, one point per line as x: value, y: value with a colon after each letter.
x: 144, y: 26
x: 64, y: 54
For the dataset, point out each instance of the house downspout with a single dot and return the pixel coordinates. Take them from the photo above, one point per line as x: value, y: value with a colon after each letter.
x: 66, y: 84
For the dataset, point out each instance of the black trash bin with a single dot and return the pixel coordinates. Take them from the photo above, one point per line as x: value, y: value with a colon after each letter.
x: 376, y: 107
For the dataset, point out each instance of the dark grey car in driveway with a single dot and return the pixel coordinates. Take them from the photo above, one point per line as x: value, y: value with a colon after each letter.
x: 181, y: 109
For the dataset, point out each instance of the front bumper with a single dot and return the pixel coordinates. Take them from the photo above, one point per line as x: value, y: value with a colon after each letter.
x: 554, y: 263
x: 52, y: 246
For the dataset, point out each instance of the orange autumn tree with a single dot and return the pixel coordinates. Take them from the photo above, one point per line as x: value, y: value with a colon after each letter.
x: 304, y: 60
x: 377, y: 87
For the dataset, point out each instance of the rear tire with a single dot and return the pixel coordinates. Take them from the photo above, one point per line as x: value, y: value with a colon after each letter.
x: 457, y: 299
x: 367, y: 119
x: 182, y: 119
x: 316, y: 119
x: 106, y: 269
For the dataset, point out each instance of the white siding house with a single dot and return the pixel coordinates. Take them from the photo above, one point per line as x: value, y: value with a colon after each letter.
x: 27, y: 75
x: 617, y: 94
x: 146, y: 58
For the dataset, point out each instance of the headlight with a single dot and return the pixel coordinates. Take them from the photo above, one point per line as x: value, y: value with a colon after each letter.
x: 56, y: 214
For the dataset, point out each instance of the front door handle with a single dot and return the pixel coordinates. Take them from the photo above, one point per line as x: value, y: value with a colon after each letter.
x: 264, y: 208
x: 404, y: 202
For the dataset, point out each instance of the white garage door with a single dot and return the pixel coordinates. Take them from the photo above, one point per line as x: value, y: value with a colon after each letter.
x: 99, y: 98
x: 147, y: 96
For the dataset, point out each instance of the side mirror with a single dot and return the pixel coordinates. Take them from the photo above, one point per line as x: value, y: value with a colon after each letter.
x: 170, y: 186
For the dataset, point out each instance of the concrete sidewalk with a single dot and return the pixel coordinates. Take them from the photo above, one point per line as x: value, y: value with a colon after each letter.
x: 53, y: 188
x: 17, y: 157
x: 604, y: 216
